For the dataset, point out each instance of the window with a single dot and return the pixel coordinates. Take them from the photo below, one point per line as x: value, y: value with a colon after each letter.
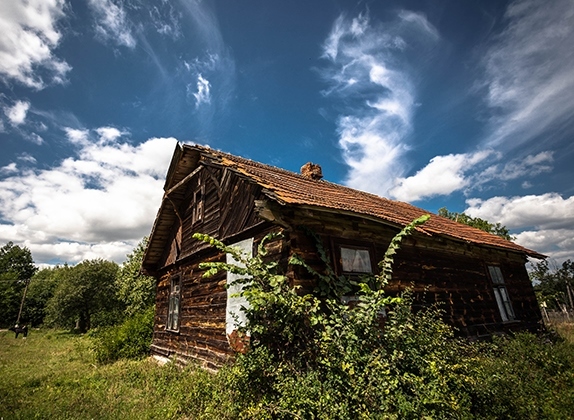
x: 198, y: 199
x: 354, y: 259
x: 174, y: 304
x: 501, y: 294
x: 235, y: 315
x: 236, y: 304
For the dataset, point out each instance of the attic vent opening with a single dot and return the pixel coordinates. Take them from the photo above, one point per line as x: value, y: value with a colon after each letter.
x: 312, y: 171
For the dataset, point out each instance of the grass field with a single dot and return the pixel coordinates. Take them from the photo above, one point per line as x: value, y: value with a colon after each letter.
x: 53, y: 375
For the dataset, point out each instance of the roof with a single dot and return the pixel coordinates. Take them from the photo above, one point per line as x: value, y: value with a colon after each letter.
x: 289, y: 188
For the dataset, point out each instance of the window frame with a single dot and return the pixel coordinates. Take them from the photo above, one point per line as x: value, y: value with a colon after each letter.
x: 501, y: 296
x: 174, y: 304
x: 198, y: 210
x: 339, y: 244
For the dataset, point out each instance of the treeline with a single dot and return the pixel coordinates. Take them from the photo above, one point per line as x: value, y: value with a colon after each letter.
x: 93, y: 293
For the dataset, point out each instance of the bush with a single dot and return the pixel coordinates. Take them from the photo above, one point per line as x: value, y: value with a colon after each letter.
x: 525, y: 376
x: 130, y: 340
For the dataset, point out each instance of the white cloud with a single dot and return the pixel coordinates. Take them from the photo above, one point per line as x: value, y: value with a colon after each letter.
x: 109, y: 134
x: 17, y: 113
x: 363, y: 69
x: 203, y: 95
x: 442, y: 176
x: 529, y: 75
x: 469, y: 171
x: 112, y: 23
x: 546, y: 221
x: 544, y: 211
x: 77, y: 136
x: 28, y: 36
x: 9, y: 169
x: 25, y: 157
x: 34, y: 138
x: 98, y: 204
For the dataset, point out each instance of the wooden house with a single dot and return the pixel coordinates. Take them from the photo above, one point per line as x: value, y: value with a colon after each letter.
x: 480, y: 278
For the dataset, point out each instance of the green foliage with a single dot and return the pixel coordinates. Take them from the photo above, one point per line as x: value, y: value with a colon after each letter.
x: 554, y: 287
x: 16, y: 267
x: 526, y: 377
x: 18, y: 260
x: 496, y: 229
x: 85, y: 296
x: 128, y: 340
x: 314, y: 356
x: 40, y: 290
x: 135, y: 290
x: 53, y: 375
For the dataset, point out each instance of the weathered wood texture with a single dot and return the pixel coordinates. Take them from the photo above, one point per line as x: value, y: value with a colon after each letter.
x: 201, y: 334
x: 455, y: 275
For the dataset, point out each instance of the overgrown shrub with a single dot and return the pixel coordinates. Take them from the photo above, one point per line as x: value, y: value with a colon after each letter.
x: 525, y: 376
x: 313, y: 357
x: 130, y: 339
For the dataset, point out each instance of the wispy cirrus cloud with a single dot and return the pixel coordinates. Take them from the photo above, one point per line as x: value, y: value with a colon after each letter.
x: 29, y: 34
x: 210, y: 76
x: 528, y: 72
x: 96, y: 204
x: 364, y: 70
x: 203, y: 93
x: 112, y: 23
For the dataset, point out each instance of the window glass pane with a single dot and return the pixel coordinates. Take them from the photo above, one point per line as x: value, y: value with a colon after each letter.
x: 506, y: 301
x: 500, y: 304
x: 173, y: 307
x: 355, y: 260
x: 495, y: 274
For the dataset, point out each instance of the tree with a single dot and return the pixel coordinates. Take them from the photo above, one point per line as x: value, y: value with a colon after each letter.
x: 554, y: 286
x: 496, y: 229
x: 16, y: 268
x: 135, y: 290
x: 86, y: 296
x: 40, y: 291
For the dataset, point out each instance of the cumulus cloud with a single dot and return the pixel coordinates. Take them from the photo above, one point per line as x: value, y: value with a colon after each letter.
x: 442, y: 176
x: 112, y: 23
x: 544, y: 211
x: 528, y: 72
x: 546, y: 221
x: 363, y: 70
x: 17, y: 113
x: 99, y: 203
x: 28, y: 37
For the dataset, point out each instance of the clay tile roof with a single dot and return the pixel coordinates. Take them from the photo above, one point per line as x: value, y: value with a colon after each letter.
x: 291, y: 188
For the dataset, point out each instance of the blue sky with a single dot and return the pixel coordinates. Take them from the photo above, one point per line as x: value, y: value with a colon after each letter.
x: 463, y: 104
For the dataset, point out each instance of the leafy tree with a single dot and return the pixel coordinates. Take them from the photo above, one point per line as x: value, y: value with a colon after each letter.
x: 135, y: 290
x: 86, y: 296
x: 477, y: 222
x: 554, y: 286
x: 16, y: 268
x: 41, y: 289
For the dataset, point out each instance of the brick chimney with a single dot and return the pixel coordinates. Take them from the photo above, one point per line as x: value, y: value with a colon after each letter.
x: 312, y: 171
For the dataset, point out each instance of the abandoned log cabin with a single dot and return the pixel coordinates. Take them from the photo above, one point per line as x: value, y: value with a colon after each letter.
x: 480, y: 278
